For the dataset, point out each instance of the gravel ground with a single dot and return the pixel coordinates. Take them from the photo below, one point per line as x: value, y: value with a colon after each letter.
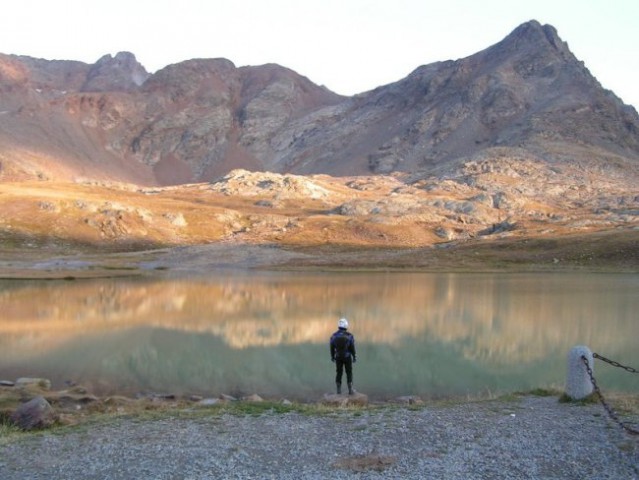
x: 525, y: 438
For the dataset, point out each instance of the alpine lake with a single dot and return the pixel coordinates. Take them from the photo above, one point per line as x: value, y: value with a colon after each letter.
x: 434, y: 335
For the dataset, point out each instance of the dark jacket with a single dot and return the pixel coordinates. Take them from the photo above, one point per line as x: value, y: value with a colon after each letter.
x: 342, y: 345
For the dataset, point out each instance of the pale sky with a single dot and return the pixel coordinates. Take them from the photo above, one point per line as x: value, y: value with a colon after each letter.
x: 349, y: 46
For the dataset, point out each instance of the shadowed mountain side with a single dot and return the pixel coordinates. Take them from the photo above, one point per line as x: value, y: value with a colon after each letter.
x: 527, y: 92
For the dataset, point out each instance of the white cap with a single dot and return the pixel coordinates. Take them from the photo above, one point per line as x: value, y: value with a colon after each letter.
x: 343, y: 323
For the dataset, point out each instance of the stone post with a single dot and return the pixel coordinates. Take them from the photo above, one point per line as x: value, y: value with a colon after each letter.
x: 578, y: 383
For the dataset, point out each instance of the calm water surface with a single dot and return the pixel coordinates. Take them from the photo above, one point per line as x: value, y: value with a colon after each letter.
x: 425, y: 334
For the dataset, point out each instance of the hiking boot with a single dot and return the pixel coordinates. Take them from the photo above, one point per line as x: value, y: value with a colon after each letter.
x: 350, y: 389
x: 339, y: 388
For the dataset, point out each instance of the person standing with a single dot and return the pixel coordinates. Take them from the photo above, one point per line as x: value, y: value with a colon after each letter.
x: 343, y: 354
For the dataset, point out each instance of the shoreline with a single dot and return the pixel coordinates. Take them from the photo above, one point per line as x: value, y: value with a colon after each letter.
x: 606, y: 251
x: 515, y: 437
x: 177, y: 270
x: 77, y: 400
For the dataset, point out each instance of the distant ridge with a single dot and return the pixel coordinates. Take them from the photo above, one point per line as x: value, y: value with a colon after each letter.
x: 199, y: 119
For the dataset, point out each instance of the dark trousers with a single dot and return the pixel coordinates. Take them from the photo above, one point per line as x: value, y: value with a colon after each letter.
x: 342, y: 364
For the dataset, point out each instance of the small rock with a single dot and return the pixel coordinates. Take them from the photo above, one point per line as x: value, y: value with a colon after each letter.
x: 286, y: 402
x: 253, y: 398
x: 26, y: 382
x: 335, y: 400
x: 196, y: 398
x: 227, y: 398
x: 118, y: 400
x: 78, y: 389
x: 165, y: 396
x: 345, y: 400
x: 176, y: 219
x: 66, y: 400
x: 6, y: 383
x: 358, y: 399
x: 410, y: 400
x: 209, y: 402
x: 36, y: 413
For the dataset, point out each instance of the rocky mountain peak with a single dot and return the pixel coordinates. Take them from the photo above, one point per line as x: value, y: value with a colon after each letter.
x: 120, y: 73
x: 199, y: 77
x: 526, y: 91
x: 531, y: 39
x: 534, y: 32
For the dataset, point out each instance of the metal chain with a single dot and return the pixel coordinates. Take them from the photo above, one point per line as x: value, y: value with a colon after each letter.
x: 615, y: 364
x: 607, y: 407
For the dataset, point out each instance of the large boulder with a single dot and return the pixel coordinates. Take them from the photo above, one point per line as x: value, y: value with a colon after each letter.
x: 34, y: 414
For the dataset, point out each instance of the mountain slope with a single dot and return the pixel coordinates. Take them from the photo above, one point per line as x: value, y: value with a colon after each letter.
x: 528, y: 91
x: 527, y: 97
x: 113, y: 121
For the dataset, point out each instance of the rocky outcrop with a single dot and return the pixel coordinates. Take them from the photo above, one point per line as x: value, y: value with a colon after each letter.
x: 245, y: 183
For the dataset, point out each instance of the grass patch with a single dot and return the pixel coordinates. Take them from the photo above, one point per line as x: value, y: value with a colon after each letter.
x: 145, y: 411
x: 589, y: 400
x: 257, y: 408
x: 628, y: 404
x: 9, y: 433
x: 267, y: 407
x: 544, y: 392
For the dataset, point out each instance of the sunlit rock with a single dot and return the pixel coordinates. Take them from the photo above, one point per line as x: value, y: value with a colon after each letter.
x: 41, y: 383
x: 255, y: 398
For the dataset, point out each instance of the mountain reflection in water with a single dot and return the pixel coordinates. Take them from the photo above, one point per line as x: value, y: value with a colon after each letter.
x: 425, y: 334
